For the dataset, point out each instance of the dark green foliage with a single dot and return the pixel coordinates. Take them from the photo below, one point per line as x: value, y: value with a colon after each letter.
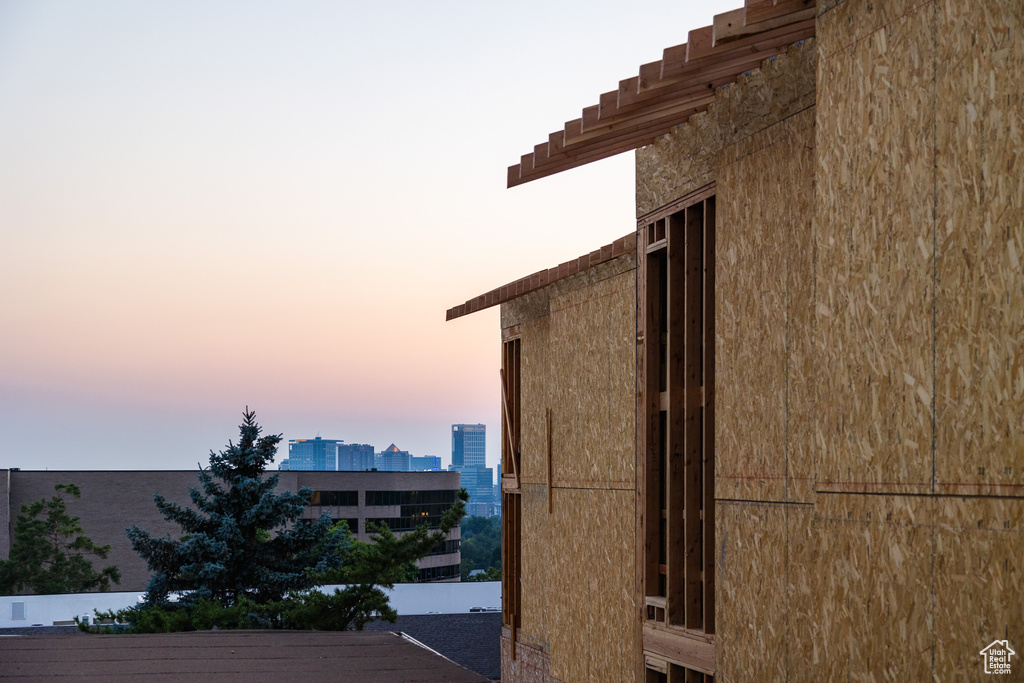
x: 369, y: 567
x: 489, y: 574
x: 481, y: 547
x: 243, y: 541
x: 170, y: 617
x: 47, y: 554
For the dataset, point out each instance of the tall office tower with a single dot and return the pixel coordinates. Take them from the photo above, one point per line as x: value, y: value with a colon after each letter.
x: 469, y: 445
x: 313, y: 454
x: 355, y: 457
x: 392, y: 459
x: 469, y: 456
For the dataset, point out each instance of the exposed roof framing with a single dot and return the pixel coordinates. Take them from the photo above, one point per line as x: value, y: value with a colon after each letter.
x: 666, y: 93
x: 543, y: 278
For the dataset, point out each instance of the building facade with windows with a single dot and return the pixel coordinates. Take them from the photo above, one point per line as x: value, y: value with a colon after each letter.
x: 313, y: 454
x: 469, y: 456
x: 789, y: 400
x: 114, y: 500
x: 355, y: 457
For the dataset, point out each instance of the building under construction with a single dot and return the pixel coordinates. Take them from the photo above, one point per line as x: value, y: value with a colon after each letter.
x: 776, y: 432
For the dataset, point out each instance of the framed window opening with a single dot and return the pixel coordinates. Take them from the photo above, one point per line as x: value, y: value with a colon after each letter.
x: 511, y: 500
x: 675, y: 371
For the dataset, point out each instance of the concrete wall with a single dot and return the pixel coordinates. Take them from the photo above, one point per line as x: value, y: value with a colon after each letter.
x: 114, y: 500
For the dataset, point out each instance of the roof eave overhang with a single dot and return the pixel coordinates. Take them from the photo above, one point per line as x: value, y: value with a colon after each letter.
x: 666, y: 93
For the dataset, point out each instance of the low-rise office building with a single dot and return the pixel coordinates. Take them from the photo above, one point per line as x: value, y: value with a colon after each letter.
x: 113, y: 500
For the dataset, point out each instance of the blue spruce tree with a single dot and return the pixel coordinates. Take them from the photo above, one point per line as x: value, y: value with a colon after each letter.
x: 243, y: 541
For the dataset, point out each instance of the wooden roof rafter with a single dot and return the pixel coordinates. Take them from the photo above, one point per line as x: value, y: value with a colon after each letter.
x: 666, y: 93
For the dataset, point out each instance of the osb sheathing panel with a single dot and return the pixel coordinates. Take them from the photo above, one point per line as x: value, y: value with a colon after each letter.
x: 589, y: 596
x: 577, y: 561
x: 527, y: 307
x: 535, y: 360
x: 751, y: 593
x: 871, y: 574
x: 867, y: 587
x: 874, y: 236
x: 979, y: 438
x: 685, y: 159
x: 591, y: 379
x: 979, y: 584
x: 764, y: 323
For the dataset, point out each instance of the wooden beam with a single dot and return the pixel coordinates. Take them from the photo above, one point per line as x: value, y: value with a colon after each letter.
x: 678, y: 605
x: 693, y: 327
x: 729, y: 30
x: 708, y: 400
x: 728, y: 24
x: 681, y: 648
x: 778, y: 38
x: 757, y: 11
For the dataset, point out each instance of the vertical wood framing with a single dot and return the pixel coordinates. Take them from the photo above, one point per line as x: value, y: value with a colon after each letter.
x: 709, y: 415
x: 693, y: 321
x: 675, y: 435
x: 649, y: 433
x: 511, y: 501
x: 677, y: 599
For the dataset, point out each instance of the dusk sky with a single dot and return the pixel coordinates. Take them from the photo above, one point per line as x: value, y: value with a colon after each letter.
x: 211, y: 205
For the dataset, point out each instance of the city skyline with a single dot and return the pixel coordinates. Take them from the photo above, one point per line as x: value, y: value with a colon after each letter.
x: 209, y: 206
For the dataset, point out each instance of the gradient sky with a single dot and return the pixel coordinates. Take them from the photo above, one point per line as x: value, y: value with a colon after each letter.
x: 209, y: 205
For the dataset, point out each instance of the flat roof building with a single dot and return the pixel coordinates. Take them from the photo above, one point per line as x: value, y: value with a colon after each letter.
x: 113, y: 500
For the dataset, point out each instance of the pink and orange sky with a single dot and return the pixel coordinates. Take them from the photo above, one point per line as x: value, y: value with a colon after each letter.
x: 208, y: 205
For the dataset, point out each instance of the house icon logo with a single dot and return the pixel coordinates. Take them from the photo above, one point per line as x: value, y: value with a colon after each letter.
x: 997, y: 657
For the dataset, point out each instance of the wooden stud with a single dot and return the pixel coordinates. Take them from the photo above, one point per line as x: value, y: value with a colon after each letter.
x: 678, y: 597
x: 708, y: 402
x: 693, y: 325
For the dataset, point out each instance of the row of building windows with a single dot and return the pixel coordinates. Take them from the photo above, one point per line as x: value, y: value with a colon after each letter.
x: 447, y: 547
x: 405, y: 523
x: 448, y: 571
x: 411, y: 497
x: 334, y: 498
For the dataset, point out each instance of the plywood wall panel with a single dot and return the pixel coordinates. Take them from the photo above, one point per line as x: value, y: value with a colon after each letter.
x: 979, y: 581
x: 980, y: 279
x: 685, y: 159
x: 536, y: 578
x: 750, y: 329
x: 592, y: 634
x: 536, y: 357
x: 874, y: 286
x: 873, y: 585
x: 592, y: 378
x: 801, y: 381
x: 751, y: 614
x: 765, y: 303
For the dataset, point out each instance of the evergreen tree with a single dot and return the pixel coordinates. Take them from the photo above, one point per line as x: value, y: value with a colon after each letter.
x: 47, y: 554
x: 242, y: 540
x: 366, y: 569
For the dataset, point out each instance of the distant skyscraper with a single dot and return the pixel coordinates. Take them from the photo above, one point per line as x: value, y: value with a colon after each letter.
x: 469, y: 456
x: 392, y: 459
x: 313, y: 454
x: 469, y: 445
x: 355, y: 457
x: 425, y: 463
